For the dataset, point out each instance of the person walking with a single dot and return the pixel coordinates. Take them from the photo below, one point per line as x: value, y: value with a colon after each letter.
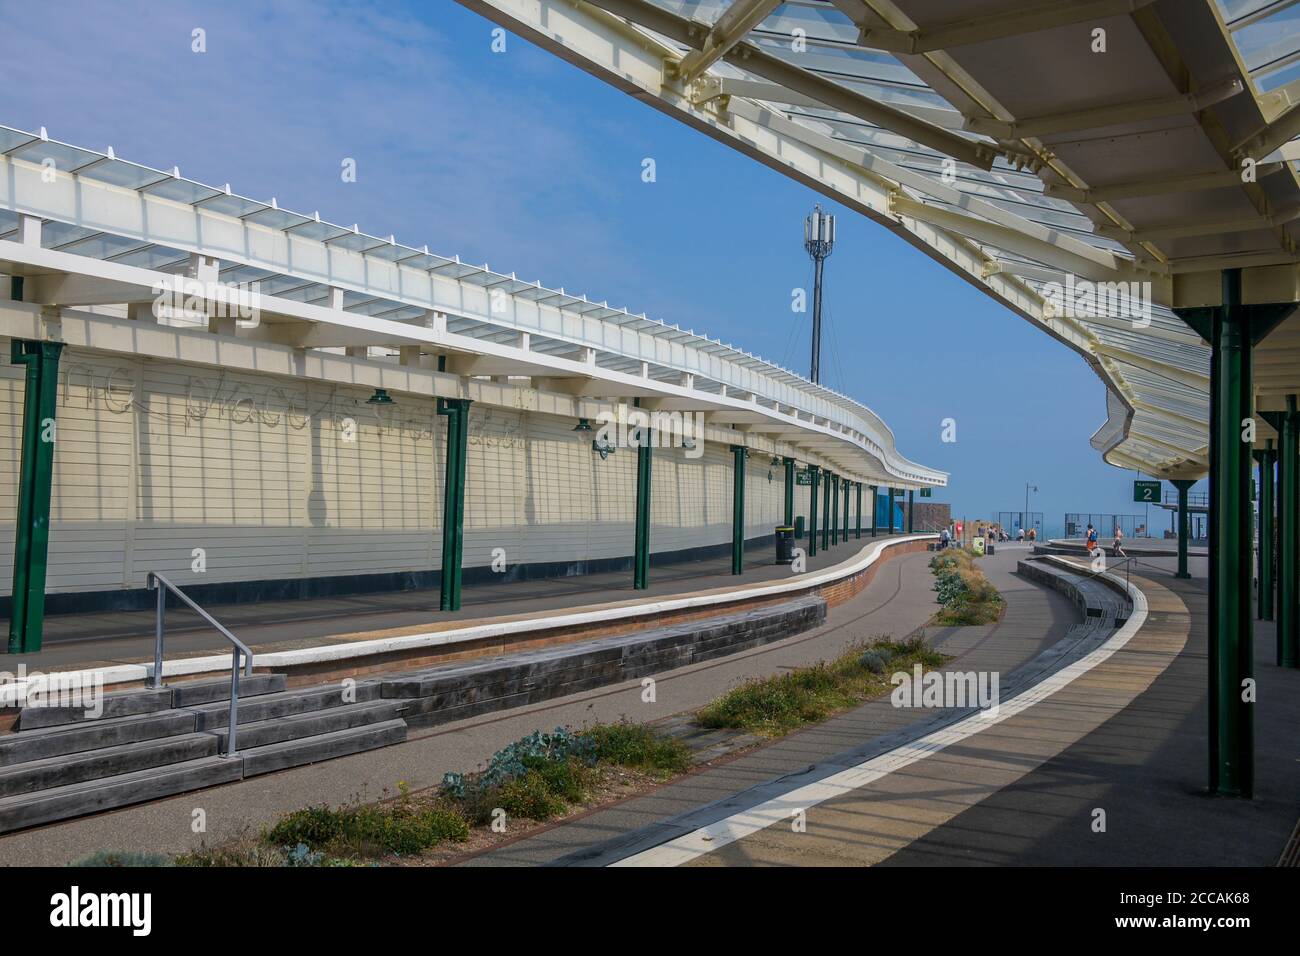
x: 1119, y: 541
x: 1090, y: 538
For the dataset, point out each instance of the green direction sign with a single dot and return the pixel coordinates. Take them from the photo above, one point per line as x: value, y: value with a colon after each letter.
x: 1146, y: 491
x: 803, y: 477
x: 925, y: 492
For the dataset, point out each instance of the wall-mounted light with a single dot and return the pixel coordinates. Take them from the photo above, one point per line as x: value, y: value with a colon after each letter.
x: 381, y: 397
x: 602, y: 447
x: 688, y: 442
x: 584, y: 425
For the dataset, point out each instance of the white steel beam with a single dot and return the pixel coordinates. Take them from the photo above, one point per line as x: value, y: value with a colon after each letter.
x: 729, y: 29
x: 997, y: 26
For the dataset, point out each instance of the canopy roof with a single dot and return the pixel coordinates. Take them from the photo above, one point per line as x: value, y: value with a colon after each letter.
x: 88, y: 229
x: 1032, y: 147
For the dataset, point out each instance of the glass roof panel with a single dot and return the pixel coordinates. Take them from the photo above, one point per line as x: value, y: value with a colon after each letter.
x: 230, y: 205
x: 9, y: 138
x: 180, y: 190
x: 116, y: 172
x: 66, y: 158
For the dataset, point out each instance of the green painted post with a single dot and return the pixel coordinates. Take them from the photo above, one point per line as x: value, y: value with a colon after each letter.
x: 1232, y: 329
x: 815, y: 474
x: 35, y: 484
x: 1288, y: 577
x: 858, y: 510
x: 826, y: 511
x: 1264, y: 575
x: 1184, y: 520
x: 846, y: 510
x: 835, y: 509
x: 789, y: 492
x: 453, y: 503
x: 641, y: 562
x: 891, y: 509
x: 910, y: 502
x: 875, y: 503
x: 738, y: 455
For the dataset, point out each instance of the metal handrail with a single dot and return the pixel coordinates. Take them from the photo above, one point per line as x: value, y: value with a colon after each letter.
x: 154, y: 579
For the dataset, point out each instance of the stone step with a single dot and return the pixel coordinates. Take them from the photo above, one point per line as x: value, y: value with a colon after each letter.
x: 297, y: 726
x: 193, y: 693
x: 87, y: 735
x: 338, y: 743
x: 106, y: 793
x: 128, y: 703
x: 300, y: 700
x: 67, y: 769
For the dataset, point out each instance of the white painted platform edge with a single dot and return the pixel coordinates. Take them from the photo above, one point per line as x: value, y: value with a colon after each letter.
x: 125, y: 673
x: 688, y: 847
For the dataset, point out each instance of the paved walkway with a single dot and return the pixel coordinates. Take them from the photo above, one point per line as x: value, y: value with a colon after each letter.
x: 102, y: 639
x: 1146, y: 767
x: 897, y: 601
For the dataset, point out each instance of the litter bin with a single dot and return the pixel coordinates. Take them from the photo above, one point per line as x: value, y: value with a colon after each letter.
x: 798, y: 526
x: 785, y: 545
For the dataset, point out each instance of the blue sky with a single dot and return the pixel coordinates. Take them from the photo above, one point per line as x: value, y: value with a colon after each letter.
x: 524, y: 162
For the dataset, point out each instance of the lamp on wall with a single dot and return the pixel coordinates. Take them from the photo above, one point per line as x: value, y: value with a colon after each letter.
x: 584, y: 425
x: 381, y: 397
x: 772, y: 464
x: 602, y: 447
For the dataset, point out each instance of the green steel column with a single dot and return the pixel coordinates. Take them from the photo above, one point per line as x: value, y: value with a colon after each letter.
x: 641, y: 562
x: 891, y: 509
x: 826, y: 511
x: 789, y: 492
x: 846, y: 510
x: 738, y: 455
x: 1184, y: 520
x: 910, y: 501
x: 453, y: 503
x: 814, y: 473
x: 875, y: 503
x: 35, y: 481
x: 858, y: 510
x: 1288, y: 576
x: 1232, y: 329
x: 1234, y: 545
x: 835, y: 509
x: 1264, y: 575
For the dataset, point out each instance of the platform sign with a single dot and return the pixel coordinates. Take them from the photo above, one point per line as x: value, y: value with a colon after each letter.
x: 803, y: 477
x: 1146, y: 491
x: 925, y: 492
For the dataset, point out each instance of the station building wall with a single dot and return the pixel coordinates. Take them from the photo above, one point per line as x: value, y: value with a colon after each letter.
x: 278, y: 478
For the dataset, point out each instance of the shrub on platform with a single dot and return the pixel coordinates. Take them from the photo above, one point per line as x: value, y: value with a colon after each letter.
x: 773, y: 706
x: 638, y: 747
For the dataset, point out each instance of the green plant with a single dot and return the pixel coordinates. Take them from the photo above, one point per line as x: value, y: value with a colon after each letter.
x: 638, y: 747
x: 368, y: 830
x: 779, y: 704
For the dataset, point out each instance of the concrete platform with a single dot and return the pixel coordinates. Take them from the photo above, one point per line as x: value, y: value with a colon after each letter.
x: 74, y: 641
